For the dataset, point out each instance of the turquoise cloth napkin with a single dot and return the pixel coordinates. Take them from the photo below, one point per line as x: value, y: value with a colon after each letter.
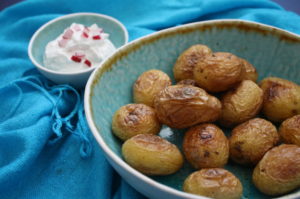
x: 46, y: 148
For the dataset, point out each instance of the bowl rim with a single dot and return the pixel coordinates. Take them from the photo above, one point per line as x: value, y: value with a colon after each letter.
x: 153, y: 37
x: 37, y: 32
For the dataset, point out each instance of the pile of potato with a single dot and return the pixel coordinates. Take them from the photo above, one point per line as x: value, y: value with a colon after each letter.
x: 219, y: 88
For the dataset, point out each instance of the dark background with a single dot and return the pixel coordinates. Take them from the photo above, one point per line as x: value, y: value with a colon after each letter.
x: 291, y: 5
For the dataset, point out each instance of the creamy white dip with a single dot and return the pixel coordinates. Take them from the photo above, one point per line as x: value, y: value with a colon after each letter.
x: 78, y: 48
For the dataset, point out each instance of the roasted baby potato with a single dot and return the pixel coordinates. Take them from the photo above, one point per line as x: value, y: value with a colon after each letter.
x: 148, y: 85
x: 279, y: 170
x: 281, y: 98
x: 133, y: 119
x: 290, y: 130
x: 215, y: 183
x: 250, y: 71
x: 187, y: 82
x: 206, y: 146
x: 241, y: 104
x: 250, y: 140
x: 152, y: 155
x: 219, y: 71
x: 182, y: 106
x: 184, y: 66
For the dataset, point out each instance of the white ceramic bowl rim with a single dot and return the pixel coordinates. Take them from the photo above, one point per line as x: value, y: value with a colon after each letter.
x: 65, y: 17
x: 118, y: 160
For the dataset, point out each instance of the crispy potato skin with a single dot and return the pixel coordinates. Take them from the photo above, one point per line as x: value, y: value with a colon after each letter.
x: 250, y: 140
x: 219, y: 71
x: 152, y: 155
x: 148, y: 85
x: 182, y: 106
x: 133, y: 119
x: 241, y: 104
x: 250, y: 71
x: 206, y: 146
x: 281, y: 99
x: 279, y: 170
x: 290, y: 130
x: 216, y: 183
x: 184, y: 66
x: 190, y: 82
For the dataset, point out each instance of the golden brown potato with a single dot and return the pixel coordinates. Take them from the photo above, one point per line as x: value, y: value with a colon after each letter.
x: 205, y: 146
x: 148, y: 85
x: 219, y: 72
x: 215, y: 183
x: 250, y: 140
x: 290, y: 130
x: 241, y: 104
x: 184, y: 66
x: 250, y: 71
x: 279, y: 170
x: 281, y: 98
x: 190, y: 82
x: 152, y: 155
x: 133, y: 119
x: 182, y: 106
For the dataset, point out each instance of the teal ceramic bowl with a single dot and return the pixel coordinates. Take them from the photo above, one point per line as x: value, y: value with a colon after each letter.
x: 52, y: 29
x: 272, y: 51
